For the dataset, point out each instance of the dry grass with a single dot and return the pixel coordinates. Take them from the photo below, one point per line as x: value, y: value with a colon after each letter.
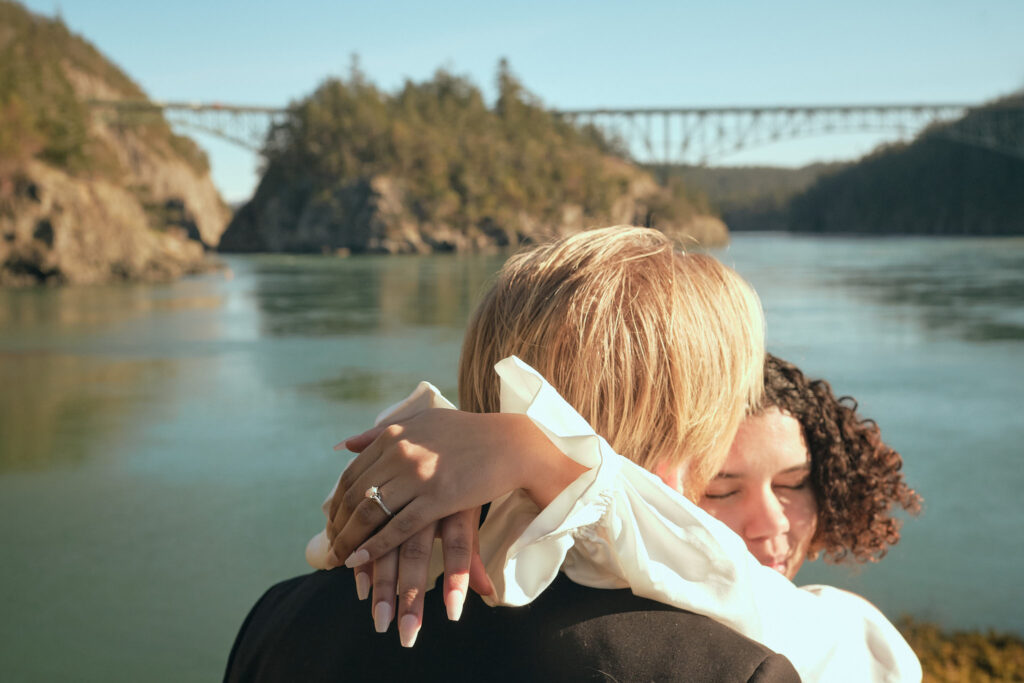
x: 965, y: 656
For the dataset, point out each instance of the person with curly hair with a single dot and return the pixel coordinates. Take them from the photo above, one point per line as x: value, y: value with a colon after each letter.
x: 806, y: 475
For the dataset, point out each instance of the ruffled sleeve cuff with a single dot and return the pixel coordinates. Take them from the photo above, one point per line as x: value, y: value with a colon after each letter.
x: 617, y: 525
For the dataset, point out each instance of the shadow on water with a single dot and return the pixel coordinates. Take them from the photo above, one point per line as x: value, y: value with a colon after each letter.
x: 64, y: 409
x: 374, y: 388
x: 78, y: 366
x: 971, y: 290
x: 323, y: 296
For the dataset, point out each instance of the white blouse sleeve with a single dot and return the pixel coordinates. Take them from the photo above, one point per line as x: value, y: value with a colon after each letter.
x: 619, y: 526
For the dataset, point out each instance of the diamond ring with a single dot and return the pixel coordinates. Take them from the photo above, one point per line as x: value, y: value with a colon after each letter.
x: 373, y: 493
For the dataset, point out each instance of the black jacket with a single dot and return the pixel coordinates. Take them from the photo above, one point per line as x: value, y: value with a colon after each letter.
x: 312, y: 628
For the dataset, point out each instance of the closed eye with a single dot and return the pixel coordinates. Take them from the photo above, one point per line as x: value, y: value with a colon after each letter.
x: 720, y: 496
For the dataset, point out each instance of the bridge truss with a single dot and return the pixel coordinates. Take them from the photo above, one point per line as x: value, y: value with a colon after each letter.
x: 665, y: 136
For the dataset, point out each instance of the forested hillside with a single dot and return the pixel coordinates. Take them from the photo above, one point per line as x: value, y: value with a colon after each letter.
x: 933, y: 185
x: 751, y: 197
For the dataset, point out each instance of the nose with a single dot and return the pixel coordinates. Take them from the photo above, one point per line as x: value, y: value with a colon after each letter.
x: 766, y: 517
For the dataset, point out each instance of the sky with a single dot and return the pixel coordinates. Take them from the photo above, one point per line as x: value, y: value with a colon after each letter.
x: 571, y: 54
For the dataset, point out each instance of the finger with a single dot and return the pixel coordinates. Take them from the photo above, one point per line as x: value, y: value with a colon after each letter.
x: 365, y: 519
x: 413, y: 566
x: 360, y: 441
x: 457, y: 532
x: 357, y: 477
x: 355, y: 470
x: 364, y: 577
x: 385, y: 574
x: 478, y: 579
x: 357, y: 532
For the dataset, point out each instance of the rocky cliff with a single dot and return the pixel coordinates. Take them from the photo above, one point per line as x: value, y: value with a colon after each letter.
x: 377, y: 215
x: 86, y: 197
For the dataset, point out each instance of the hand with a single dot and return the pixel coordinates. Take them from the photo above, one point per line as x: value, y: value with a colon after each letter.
x: 407, y: 569
x: 434, y: 465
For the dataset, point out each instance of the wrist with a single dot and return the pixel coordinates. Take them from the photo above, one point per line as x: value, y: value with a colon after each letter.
x: 544, y: 471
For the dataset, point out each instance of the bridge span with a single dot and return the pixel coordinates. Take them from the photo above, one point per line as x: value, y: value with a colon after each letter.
x: 661, y: 136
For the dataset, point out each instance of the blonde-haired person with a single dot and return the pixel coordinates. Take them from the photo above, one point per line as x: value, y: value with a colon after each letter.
x: 660, y: 351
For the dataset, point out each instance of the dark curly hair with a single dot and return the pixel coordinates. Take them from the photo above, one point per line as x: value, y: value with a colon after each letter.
x: 855, y: 476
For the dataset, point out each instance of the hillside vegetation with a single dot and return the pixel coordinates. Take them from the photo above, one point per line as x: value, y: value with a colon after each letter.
x: 933, y: 185
x: 42, y: 109
x: 85, y: 197
x: 433, y: 167
x: 751, y: 197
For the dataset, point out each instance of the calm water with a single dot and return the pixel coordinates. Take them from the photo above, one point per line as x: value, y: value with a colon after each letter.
x: 163, y: 449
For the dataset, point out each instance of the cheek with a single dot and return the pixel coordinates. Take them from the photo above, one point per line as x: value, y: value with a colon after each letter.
x: 728, y: 514
x: 802, y: 513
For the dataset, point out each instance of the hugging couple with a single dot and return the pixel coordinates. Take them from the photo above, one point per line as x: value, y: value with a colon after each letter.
x: 652, y: 482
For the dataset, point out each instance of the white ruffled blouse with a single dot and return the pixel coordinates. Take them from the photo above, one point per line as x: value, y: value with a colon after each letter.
x: 619, y: 526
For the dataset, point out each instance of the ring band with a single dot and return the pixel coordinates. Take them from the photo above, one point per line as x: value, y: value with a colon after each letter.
x: 373, y: 493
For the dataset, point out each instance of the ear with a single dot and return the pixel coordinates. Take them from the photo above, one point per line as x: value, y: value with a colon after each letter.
x: 672, y: 475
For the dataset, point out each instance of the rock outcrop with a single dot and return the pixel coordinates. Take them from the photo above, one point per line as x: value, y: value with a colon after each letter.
x: 374, y: 215
x: 118, y: 200
x: 57, y: 229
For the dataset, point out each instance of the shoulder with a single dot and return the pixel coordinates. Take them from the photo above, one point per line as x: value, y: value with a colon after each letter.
x: 594, y: 633
x: 291, y: 621
x: 313, y: 628
x: 893, y: 658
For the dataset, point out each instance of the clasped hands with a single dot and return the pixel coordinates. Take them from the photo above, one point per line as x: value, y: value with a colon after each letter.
x: 433, y: 472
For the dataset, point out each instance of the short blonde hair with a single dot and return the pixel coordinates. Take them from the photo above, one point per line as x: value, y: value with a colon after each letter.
x: 660, y: 351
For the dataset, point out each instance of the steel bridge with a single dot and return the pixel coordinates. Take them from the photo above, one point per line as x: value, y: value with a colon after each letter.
x: 660, y: 136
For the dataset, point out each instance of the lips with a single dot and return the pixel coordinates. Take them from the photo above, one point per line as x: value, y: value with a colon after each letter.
x: 776, y: 562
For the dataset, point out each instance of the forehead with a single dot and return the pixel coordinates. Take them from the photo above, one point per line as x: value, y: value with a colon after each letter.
x: 766, y: 444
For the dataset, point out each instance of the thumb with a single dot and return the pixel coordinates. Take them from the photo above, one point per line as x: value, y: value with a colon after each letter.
x: 357, y: 443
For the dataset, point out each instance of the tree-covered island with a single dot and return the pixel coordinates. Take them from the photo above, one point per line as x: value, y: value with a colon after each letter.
x: 432, y: 167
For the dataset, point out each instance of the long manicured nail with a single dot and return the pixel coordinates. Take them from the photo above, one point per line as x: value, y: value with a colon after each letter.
x: 454, y: 602
x: 381, y: 616
x: 362, y: 585
x: 357, y: 559
x: 408, y: 629
x: 332, y: 559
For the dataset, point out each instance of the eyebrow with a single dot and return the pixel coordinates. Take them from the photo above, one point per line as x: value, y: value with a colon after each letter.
x: 795, y: 468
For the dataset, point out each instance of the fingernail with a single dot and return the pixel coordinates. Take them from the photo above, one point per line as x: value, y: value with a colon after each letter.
x: 332, y: 559
x: 454, y: 602
x: 381, y: 616
x: 344, y: 443
x: 362, y: 585
x: 357, y: 559
x: 408, y: 629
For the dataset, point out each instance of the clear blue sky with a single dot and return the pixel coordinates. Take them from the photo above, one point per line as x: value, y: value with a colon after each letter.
x: 572, y: 54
